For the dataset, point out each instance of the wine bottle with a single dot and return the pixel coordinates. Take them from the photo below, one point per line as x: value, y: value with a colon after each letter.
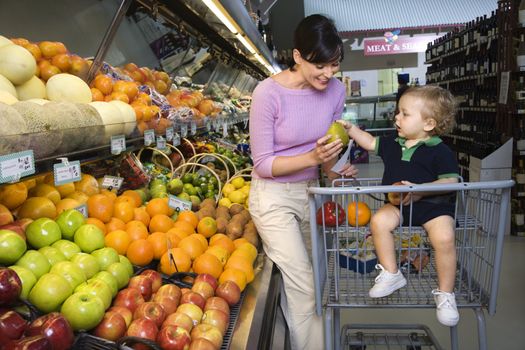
x: 520, y: 179
x: 520, y: 56
x: 521, y: 14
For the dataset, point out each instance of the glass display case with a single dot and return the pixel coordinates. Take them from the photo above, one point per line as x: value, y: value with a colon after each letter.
x: 372, y: 112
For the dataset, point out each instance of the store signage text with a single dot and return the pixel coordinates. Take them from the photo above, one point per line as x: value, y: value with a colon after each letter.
x: 377, y: 47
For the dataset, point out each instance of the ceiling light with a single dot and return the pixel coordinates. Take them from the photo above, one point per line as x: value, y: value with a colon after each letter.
x: 245, y: 42
x: 221, y: 14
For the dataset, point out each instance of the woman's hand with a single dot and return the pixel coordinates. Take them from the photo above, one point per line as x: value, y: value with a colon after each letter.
x: 324, y: 152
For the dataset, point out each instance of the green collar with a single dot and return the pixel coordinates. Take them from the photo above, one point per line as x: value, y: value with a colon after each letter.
x: 408, y: 152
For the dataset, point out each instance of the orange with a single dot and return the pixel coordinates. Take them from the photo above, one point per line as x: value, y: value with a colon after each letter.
x: 241, y: 263
x: 98, y: 224
x: 30, y: 183
x: 118, y: 240
x: 216, y: 237
x: 100, y: 207
x: 127, y: 87
x: 110, y: 194
x: 5, y: 215
x: 87, y: 184
x: 134, y: 195
x: 124, y: 211
x: 237, y: 242
x: 159, y: 242
x: 207, y: 226
x: 119, y: 96
x: 115, y: 224
x: 192, y: 246
x: 248, y: 248
x: 157, y: 206
x: 173, y: 239
x: 178, y: 232
x: 189, y: 216
x: 160, y: 223
x: 143, y: 98
x: 219, y: 252
x: 171, y: 211
x: 202, y: 240
x: 125, y: 199
x: 62, y: 61
x: 142, y: 215
x: 226, y: 243
x: 96, y: 95
x: 103, y: 83
x: 140, y: 252
x: 65, y: 204
x: 47, y: 72
x: 184, y: 226
x: 243, y: 254
x: 45, y: 190
x: 81, y: 197
x: 181, y: 261
x: 36, y: 208
x: 34, y: 49
x: 139, y: 110
x: 207, y: 263
x: 358, y: 214
x: 136, y: 230
x: 64, y: 189
x: 236, y: 276
x: 13, y: 195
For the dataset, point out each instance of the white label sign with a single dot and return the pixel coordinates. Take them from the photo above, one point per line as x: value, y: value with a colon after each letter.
x: 193, y: 128
x: 66, y: 172
x: 118, y: 144
x: 178, y: 204
x: 149, y: 137
x: 112, y: 181
x: 225, y: 129
x: 208, y: 126
x: 16, y: 165
x: 161, y: 143
x: 169, y: 134
x: 183, y: 130
x: 83, y: 210
x: 176, y: 140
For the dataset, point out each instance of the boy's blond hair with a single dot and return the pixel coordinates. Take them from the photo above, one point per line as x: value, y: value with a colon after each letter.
x: 439, y: 105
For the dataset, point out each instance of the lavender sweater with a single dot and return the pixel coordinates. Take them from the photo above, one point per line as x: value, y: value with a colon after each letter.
x: 287, y: 122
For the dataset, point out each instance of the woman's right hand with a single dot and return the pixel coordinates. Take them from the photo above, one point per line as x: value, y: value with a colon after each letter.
x: 324, y: 151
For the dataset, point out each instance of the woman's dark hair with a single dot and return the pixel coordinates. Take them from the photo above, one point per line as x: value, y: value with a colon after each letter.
x: 317, y: 40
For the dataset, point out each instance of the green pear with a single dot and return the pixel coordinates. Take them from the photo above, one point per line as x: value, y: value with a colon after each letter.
x: 336, y: 131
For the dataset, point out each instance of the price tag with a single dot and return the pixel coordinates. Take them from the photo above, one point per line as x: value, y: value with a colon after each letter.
x: 176, y: 140
x: 83, y: 209
x: 66, y: 172
x: 183, y: 130
x: 208, y: 159
x: 112, y: 181
x: 224, y: 129
x: 16, y: 165
x: 490, y: 42
x: 169, y: 134
x: 208, y: 126
x: 118, y: 144
x: 161, y: 143
x: 217, y: 126
x: 245, y: 123
x: 193, y: 128
x: 149, y: 137
x: 178, y: 204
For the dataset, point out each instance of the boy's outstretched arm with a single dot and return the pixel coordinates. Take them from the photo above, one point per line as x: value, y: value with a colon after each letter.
x: 363, y: 138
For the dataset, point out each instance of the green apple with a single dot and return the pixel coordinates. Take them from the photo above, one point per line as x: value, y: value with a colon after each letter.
x: 67, y: 248
x: 109, y: 279
x: 175, y: 186
x: 98, y: 288
x: 83, y: 311
x: 42, y: 232
x: 127, y: 263
x: 53, y: 255
x: 69, y: 221
x: 71, y: 272
x: 12, y: 247
x: 27, y: 277
x: 35, y: 262
x: 105, y: 257
x: 89, y: 238
x: 88, y: 263
x: 120, y: 272
x: 49, y: 292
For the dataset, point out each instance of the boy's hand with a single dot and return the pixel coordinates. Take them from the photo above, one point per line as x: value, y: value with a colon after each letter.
x: 347, y: 125
x: 410, y: 196
x: 348, y: 170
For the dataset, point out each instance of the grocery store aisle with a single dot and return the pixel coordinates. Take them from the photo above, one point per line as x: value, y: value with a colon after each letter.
x: 505, y: 330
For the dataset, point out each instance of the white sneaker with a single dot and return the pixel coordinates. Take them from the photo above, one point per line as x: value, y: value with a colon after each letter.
x: 446, y: 309
x: 386, y: 283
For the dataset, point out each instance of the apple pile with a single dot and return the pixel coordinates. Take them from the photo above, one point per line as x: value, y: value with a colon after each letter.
x: 173, y: 317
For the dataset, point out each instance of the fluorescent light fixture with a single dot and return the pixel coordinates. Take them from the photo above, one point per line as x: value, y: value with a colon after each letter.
x: 221, y: 14
x: 245, y: 42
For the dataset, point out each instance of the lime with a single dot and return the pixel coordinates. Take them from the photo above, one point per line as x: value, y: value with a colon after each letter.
x: 184, y: 196
x: 187, y: 178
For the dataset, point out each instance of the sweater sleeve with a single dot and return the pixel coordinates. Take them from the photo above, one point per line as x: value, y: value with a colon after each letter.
x: 263, y: 113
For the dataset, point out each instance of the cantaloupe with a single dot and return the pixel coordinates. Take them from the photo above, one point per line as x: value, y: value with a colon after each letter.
x: 130, y: 118
x: 67, y: 116
x: 33, y: 88
x: 4, y: 41
x: 6, y: 85
x: 111, y: 117
x: 16, y: 64
x: 39, y: 101
x: 95, y: 125
x: 12, y: 138
x: 7, y: 98
x: 65, y: 87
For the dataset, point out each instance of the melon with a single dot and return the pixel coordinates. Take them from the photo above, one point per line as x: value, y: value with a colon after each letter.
x: 42, y: 139
x: 4, y: 41
x: 12, y: 138
x: 16, y: 64
x: 39, y: 101
x: 7, y: 98
x: 65, y: 87
x: 6, y: 85
x: 130, y: 118
x: 33, y: 88
x: 111, y: 117
x: 95, y: 128
x: 67, y: 118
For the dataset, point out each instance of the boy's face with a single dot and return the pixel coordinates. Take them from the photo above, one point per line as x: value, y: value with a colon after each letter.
x: 410, y: 122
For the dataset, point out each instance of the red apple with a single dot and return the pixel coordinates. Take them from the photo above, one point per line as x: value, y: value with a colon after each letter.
x: 124, y: 312
x: 179, y: 319
x: 56, y: 329
x: 112, y: 327
x: 192, y: 310
x: 204, y: 289
x: 216, y: 318
x: 184, y: 290
x: 129, y: 298
x: 201, y: 344
x: 208, y: 332
x: 18, y: 226
x: 151, y: 311
x: 143, y: 328
x: 169, y: 304
x: 173, y: 338
x: 156, y: 279
x: 170, y: 290
x: 143, y: 284
x: 229, y: 291
x: 193, y: 298
x: 217, y: 303
x: 206, y: 277
x: 12, y: 325
x: 36, y: 342
x: 10, y: 286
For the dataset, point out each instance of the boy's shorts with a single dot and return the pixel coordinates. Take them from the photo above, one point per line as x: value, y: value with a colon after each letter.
x: 427, y: 209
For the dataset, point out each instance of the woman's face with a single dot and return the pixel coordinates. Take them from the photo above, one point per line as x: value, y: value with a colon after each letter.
x: 317, y: 75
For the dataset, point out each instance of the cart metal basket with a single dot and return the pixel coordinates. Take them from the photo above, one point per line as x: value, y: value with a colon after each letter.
x: 344, y: 257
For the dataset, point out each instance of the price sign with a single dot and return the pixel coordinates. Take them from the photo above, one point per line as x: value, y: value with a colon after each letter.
x: 149, y: 137
x: 224, y: 129
x: 193, y: 128
x: 176, y: 140
x: 178, y: 204
x: 217, y: 125
x: 118, y: 144
x: 16, y: 165
x: 208, y: 126
x: 83, y: 209
x: 183, y: 130
x: 208, y: 159
x: 66, y: 172
x: 169, y: 134
x: 112, y: 181
x: 161, y: 143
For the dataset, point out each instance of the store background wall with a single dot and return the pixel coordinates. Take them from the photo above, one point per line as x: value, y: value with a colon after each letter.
x: 284, y: 17
x: 79, y: 24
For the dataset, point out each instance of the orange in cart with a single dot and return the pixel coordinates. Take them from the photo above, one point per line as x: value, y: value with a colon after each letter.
x: 103, y: 83
x: 358, y: 214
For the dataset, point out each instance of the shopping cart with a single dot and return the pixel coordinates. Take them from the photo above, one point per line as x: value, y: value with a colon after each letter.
x: 343, y: 261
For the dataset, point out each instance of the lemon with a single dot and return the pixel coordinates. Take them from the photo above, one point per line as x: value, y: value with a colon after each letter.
x: 225, y: 202
x: 227, y: 189
x: 237, y: 197
x: 245, y: 189
x: 238, y: 182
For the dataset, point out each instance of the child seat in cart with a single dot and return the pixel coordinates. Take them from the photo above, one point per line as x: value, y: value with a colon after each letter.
x: 344, y: 260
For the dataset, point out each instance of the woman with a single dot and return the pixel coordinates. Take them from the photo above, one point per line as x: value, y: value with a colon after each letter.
x: 290, y: 113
